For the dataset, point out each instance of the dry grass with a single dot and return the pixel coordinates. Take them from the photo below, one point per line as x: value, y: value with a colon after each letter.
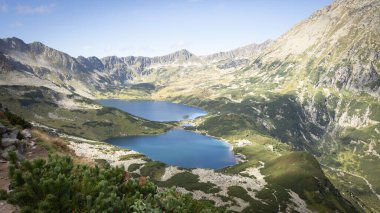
x: 57, y: 145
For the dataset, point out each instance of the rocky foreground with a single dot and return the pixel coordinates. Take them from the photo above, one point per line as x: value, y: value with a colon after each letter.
x: 22, y: 143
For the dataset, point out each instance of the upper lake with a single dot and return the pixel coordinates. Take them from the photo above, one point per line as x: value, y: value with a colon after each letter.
x: 155, y: 110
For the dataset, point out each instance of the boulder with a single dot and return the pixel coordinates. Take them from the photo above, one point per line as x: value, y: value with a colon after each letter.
x: 5, y: 155
x: 10, y: 148
x: 52, y: 133
x: 3, y: 129
x: 21, y: 146
x: 26, y: 133
x: 5, y: 134
x: 19, y: 156
x: 6, y: 142
x: 14, y: 134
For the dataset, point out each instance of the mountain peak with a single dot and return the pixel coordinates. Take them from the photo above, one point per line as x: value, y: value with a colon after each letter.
x: 180, y: 55
x: 14, y: 43
x: 184, y: 51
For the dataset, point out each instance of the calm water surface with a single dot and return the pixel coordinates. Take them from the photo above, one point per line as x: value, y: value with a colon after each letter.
x: 181, y: 148
x: 155, y: 110
x: 177, y: 147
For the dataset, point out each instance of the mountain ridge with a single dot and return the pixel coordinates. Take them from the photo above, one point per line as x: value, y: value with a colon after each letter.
x: 99, y: 73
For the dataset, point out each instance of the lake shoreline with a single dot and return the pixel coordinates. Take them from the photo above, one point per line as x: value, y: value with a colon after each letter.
x: 180, y: 147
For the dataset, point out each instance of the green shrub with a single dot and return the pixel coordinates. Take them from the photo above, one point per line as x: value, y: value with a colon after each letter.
x: 58, y: 185
x: 153, y: 169
x: 190, y: 182
x: 131, y: 156
x: 17, y: 120
x: 102, y: 162
x: 133, y: 167
x: 239, y: 192
x: 3, y: 194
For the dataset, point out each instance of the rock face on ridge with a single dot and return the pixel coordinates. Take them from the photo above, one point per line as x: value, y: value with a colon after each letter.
x: 337, y: 46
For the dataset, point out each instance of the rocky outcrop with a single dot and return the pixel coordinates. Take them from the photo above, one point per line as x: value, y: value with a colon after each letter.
x: 244, y: 52
x: 5, y: 64
x: 14, y: 140
x: 338, y: 46
x: 233, y: 64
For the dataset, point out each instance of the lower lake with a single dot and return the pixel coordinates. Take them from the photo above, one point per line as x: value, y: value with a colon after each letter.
x: 181, y: 148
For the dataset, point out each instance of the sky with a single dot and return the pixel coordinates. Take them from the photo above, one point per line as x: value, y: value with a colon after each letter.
x: 150, y: 27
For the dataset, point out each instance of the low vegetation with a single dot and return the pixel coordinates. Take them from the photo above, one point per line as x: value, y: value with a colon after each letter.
x: 153, y: 169
x: 131, y: 156
x: 239, y: 192
x: 59, y: 185
x: 16, y: 120
x: 190, y: 182
x: 81, y: 117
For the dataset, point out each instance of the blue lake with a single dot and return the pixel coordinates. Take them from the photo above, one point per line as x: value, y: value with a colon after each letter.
x: 155, y: 110
x: 181, y: 148
x: 177, y: 147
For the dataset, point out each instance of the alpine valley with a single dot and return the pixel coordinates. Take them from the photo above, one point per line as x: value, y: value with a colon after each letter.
x: 301, y: 112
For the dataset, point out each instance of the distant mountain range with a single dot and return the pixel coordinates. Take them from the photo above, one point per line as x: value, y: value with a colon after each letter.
x: 87, y: 74
x: 337, y: 46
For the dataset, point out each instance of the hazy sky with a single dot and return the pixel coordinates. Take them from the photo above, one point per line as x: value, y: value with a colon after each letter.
x: 150, y: 27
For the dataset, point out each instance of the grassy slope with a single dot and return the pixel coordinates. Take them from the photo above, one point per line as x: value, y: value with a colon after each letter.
x: 297, y: 171
x: 348, y: 150
x: 40, y: 105
x: 300, y: 172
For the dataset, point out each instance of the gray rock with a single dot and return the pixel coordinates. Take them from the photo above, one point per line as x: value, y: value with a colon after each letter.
x: 14, y: 134
x: 52, y: 133
x: 3, y: 129
x: 19, y: 156
x: 26, y: 133
x: 5, y: 134
x: 233, y: 64
x: 5, y: 154
x: 10, y: 148
x: 6, y: 142
x: 21, y: 146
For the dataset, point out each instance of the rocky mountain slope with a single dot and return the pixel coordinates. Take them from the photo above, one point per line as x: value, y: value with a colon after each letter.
x: 336, y: 47
x: 316, y: 88
x: 88, y: 75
